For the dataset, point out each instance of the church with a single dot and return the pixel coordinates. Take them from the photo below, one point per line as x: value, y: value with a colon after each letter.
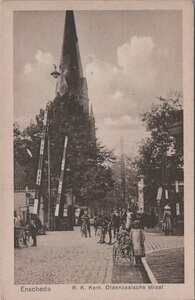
x: 69, y: 116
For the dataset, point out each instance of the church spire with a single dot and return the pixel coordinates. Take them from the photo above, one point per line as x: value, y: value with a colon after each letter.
x: 70, y: 62
x: 71, y: 78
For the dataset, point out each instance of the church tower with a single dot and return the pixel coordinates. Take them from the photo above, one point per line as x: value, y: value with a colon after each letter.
x: 71, y: 78
x: 70, y: 116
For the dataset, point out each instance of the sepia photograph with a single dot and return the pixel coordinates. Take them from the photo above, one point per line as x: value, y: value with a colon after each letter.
x: 99, y: 151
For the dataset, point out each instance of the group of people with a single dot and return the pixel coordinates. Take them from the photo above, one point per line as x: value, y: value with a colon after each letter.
x: 122, y: 223
x: 20, y: 224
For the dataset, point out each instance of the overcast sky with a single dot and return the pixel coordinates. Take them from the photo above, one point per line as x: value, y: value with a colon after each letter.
x: 129, y: 59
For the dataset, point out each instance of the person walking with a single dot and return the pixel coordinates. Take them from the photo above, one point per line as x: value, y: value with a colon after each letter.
x: 167, y: 220
x: 137, y: 238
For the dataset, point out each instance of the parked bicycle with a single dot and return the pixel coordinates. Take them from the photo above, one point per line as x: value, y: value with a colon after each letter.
x: 23, y: 237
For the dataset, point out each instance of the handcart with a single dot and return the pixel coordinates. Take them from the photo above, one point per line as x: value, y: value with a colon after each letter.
x: 123, y: 250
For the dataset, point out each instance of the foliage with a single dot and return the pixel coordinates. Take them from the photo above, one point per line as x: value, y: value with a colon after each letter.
x: 87, y: 169
x: 130, y: 176
x: 160, y: 156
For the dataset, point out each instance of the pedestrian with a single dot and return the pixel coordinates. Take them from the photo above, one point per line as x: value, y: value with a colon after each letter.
x: 137, y: 239
x: 129, y: 220
x: 167, y: 220
x: 115, y: 219
x: 87, y: 220
x: 33, y: 231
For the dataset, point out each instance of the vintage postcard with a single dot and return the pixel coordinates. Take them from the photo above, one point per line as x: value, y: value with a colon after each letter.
x: 97, y: 150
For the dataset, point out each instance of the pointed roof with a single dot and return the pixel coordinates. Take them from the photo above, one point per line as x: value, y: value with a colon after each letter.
x: 70, y: 63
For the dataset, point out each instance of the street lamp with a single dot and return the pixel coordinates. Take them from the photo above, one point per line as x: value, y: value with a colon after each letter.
x: 55, y: 73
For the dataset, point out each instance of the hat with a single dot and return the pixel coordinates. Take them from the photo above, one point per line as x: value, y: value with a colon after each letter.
x: 167, y: 207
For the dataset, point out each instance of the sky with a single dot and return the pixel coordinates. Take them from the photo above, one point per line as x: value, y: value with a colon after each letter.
x: 129, y: 58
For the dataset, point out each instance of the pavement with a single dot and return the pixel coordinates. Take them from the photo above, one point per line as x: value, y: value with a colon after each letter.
x: 64, y: 257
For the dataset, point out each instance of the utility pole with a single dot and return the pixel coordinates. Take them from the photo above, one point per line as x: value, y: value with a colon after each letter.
x: 39, y: 171
x: 123, y: 177
x: 49, y: 179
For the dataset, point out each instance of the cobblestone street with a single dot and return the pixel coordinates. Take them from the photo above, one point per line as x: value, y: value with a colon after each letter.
x: 65, y: 257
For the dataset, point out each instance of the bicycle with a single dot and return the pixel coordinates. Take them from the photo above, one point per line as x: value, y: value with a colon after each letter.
x: 104, y: 230
x: 23, y: 236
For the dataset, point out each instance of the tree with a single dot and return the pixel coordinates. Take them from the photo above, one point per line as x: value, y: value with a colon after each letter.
x: 131, y: 179
x: 87, y: 170
x: 160, y: 157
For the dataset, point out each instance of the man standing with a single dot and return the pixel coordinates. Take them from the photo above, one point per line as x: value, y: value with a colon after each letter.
x: 87, y: 220
x: 106, y: 227
x: 115, y: 219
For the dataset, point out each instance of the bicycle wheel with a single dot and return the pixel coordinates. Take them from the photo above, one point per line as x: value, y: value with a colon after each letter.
x: 131, y: 257
x: 98, y: 235
x: 28, y: 239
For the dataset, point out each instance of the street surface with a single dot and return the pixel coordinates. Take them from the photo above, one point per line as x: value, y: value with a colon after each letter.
x: 170, y: 263
x: 64, y: 257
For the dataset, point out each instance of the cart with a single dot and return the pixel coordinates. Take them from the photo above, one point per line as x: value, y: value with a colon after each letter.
x: 123, y: 250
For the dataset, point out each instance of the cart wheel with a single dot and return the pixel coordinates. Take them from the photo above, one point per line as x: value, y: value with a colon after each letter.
x: 131, y: 257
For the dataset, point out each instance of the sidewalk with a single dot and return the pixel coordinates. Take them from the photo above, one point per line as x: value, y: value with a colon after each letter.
x: 165, y: 257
